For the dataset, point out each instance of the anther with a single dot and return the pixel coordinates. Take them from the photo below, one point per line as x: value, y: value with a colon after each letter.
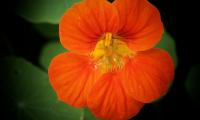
x: 108, y: 39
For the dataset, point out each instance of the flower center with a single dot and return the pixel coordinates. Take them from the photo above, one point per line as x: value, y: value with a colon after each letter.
x: 110, y: 52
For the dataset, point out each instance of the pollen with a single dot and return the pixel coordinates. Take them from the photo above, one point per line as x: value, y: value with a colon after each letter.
x: 109, y: 52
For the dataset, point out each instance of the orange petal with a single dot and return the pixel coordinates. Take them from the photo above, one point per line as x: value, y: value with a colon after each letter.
x: 141, y: 25
x: 148, y: 75
x: 85, y: 22
x: 108, y: 99
x: 72, y: 77
x: 106, y: 15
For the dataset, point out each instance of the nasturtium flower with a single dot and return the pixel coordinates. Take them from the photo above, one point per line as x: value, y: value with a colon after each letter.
x: 112, y: 67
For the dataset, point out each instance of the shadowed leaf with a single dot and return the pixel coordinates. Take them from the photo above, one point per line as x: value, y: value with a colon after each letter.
x: 49, y: 51
x: 192, y: 83
x: 43, y: 11
x: 32, y: 95
x: 167, y: 43
x: 49, y: 31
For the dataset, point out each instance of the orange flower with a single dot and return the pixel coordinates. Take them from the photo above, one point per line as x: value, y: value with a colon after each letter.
x: 112, y: 67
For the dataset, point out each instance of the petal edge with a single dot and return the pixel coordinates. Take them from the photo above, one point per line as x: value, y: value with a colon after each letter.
x: 148, y: 75
x: 108, y: 99
x: 72, y: 77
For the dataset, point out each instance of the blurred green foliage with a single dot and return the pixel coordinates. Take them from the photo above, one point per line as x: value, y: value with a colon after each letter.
x: 50, y: 50
x: 192, y: 83
x: 43, y: 11
x: 49, y: 31
x: 29, y: 89
x: 167, y: 43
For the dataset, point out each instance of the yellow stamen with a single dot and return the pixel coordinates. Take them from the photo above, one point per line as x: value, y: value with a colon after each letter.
x: 109, y: 53
x: 108, y: 39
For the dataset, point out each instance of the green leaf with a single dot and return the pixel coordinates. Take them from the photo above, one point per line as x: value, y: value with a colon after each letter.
x: 50, y: 31
x: 88, y: 115
x: 43, y: 11
x: 29, y: 90
x: 167, y: 43
x: 50, y: 50
x: 192, y: 83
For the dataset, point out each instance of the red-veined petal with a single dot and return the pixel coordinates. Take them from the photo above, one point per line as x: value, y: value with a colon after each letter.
x: 141, y: 25
x: 85, y: 22
x: 72, y: 77
x: 148, y: 75
x: 108, y: 99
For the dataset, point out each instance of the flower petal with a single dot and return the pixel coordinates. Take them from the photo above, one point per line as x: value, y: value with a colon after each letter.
x: 141, y: 25
x: 106, y: 15
x: 85, y: 22
x: 72, y: 76
x: 148, y: 74
x: 108, y: 99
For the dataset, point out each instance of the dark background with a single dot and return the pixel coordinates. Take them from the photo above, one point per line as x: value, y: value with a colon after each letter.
x: 17, y: 37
